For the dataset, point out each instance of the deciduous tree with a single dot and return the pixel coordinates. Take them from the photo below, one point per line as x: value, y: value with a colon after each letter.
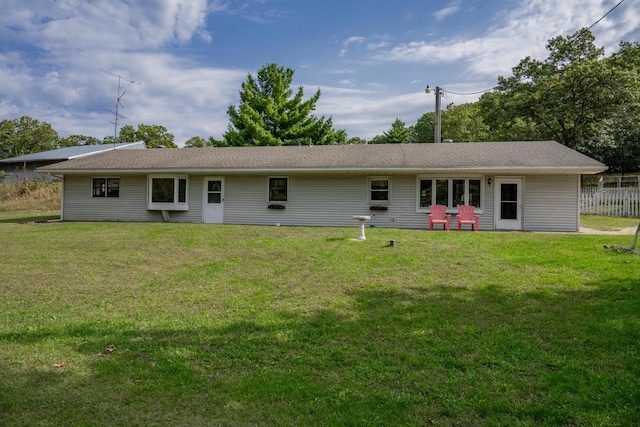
x: 152, y: 135
x: 26, y: 136
x: 77, y: 140
x: 572, y: 97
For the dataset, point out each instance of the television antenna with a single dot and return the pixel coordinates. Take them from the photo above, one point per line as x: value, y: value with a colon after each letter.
x: 119, y: 95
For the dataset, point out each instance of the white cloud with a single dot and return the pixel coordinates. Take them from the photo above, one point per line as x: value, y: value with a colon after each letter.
x: 55, y: 49
x: 452, y: 9
x: 520, y: 32
x: 75, y: 39
x: 367, y: 113
x: 104, y: 24
x: 350, y: 41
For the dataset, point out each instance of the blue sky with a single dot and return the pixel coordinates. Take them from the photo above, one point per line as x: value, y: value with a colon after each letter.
x: 371, y: 59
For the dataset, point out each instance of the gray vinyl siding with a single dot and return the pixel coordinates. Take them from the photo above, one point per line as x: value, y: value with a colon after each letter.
x: 79, y: 205
x: 321, y: 201
x: 550, y: 203
x: 487, y: 212
x: 331, y: 201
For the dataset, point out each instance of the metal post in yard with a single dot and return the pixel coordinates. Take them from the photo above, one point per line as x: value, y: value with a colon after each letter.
x: 635, y: 239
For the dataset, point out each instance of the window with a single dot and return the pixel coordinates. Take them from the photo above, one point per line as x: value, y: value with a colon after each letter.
x: 379, y: 190
x: 168, y: 192
x: 278, y: 189
x: 105, y: 187
x: 442, y: 192
x: 449, y: 192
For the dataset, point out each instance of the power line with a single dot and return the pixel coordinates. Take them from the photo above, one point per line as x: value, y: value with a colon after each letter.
x: 605, y: 15
x: 469, y: 93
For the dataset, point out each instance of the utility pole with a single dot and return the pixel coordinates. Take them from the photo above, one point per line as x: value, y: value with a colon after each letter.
x: 438, y: 133
x: 437, y: 138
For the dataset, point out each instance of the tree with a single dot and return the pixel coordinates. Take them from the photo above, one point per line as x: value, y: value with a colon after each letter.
x: 572, y: 97
x: 199, y: 142
x: 152, y: 135
x: 76, y: 140
x: 195, y: 142
x: 356, y: 140
x: 398, y: 134
x: 270, y: 114
x: 461, y: 123
x: 26, y: 136
x: 424, y: 129
x: 464, y: 123
x: 127, y: 134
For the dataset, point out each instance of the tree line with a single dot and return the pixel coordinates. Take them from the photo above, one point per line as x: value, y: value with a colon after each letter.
x: 576, y: 96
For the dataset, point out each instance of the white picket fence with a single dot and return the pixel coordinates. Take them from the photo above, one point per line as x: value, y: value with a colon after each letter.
x: 610, y: 201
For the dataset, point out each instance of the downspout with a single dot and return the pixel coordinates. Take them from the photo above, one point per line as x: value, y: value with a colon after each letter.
x: 165, y: 215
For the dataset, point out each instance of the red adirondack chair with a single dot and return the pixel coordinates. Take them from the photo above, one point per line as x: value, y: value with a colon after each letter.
x: 439, y: 215
x: 466, y: 216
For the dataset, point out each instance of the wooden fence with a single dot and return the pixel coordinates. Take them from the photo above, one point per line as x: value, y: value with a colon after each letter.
x: 610, y: 201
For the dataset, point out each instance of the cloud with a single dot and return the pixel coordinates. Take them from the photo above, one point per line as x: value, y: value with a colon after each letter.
x: 367, y: 113
x: 519, y: 32
x: 55, y: 76
x: 350, y: 41
x: 452, y: 9
x: 104, y: 24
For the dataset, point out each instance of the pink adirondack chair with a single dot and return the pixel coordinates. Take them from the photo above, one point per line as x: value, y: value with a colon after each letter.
x: 439, y: 215
x: 466, y: 216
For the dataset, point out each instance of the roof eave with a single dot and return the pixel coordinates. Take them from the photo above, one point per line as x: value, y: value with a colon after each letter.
x: 495, y: 170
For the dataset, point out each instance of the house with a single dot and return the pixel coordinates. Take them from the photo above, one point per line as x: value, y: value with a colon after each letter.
x: 24, y: 167
x: 513, y: 185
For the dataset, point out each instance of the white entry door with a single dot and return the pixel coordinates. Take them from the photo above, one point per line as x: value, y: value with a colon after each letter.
x: 213, y: 200
x: 508, y: 208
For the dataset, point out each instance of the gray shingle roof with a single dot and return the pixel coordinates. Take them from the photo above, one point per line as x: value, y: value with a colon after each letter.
x: 446, y: 156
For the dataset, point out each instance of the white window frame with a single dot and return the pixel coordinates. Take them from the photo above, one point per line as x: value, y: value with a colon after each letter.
x: 280, y: 202
x: 450, y: 179
x: 106, y: 187
x: 370, y: 190
x: 168, y: 206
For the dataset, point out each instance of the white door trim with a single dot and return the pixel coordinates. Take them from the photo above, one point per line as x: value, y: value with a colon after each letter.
x: 508, y: 223
x: 212, y: 213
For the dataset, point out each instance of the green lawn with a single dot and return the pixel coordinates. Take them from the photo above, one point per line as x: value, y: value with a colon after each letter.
x: 27, y: 216
x: 608, y: 223
x: 189, y: 324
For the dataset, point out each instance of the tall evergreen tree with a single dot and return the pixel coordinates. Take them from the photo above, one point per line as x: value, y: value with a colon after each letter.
x: 398, y: 134
x: 270, y: 114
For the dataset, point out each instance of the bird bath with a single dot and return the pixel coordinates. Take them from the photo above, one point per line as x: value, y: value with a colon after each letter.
x: 361, y: 219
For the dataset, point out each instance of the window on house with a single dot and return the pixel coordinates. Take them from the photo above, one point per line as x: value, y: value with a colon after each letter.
x: 379, y: 190
x: 449, y: 192
x: 105, y: 187
x: 168, y: 192
x: 278, y: 189
x: 442, y: 192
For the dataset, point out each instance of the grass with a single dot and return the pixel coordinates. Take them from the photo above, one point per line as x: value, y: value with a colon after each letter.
x: 190, y: 324
x: 607, y: 223
x: 22, y: 217
x: 35, y: 195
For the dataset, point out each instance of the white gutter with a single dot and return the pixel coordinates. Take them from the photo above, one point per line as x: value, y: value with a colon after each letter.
x: 495, y: 170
